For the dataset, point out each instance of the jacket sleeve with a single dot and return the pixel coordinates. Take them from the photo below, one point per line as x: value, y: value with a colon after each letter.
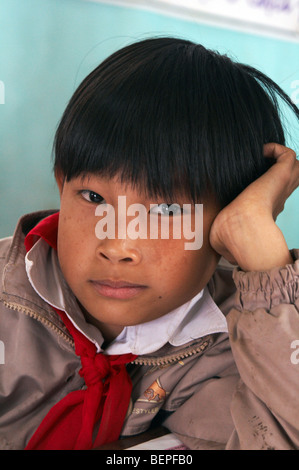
x: 264, y: 336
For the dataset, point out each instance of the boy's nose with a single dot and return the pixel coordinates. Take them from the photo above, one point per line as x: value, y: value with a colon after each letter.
x: 117, y: 251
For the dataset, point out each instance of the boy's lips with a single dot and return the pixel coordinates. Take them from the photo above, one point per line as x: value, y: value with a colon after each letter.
x: 117, y: 289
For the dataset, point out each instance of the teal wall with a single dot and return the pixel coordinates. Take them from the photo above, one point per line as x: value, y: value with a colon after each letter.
x: 49, y: 46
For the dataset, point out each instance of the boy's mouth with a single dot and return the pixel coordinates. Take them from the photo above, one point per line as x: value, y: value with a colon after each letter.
x: 117, y: 289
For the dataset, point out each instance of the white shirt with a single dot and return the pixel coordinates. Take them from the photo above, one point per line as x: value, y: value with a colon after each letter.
x: 198, y: 317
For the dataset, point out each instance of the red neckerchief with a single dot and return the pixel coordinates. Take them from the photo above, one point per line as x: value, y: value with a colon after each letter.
x: 69, y: 424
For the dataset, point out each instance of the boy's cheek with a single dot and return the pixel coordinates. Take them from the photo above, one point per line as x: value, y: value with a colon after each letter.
x: 75, y: 224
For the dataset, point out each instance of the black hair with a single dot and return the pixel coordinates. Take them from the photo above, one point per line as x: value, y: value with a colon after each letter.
x: 169, y: 115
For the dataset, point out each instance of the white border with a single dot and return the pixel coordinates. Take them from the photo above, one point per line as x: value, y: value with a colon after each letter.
x: 195, y: 15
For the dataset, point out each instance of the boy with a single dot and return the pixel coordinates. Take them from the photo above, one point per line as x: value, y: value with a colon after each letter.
x: 106, y: 336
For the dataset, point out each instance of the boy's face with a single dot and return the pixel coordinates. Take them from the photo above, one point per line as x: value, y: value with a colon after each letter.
x: 124, y: 281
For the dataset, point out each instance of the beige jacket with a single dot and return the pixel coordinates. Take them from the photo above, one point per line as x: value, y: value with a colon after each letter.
x: 222, y: 391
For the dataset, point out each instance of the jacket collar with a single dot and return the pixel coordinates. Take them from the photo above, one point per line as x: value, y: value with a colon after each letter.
x: 14, y: 261
x: 16, y: 291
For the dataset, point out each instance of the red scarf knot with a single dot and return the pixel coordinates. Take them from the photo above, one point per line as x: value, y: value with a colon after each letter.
x: 95, y: 369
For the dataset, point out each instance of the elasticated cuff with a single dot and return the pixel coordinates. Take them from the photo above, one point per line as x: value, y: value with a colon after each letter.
x: 266, y: 289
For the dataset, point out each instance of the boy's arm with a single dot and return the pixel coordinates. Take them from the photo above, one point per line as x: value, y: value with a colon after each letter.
x: 245, y: 231
x: 264, y: 325
x: 264, y: 336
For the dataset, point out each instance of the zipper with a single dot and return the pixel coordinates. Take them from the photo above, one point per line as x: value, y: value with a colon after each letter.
x: 171, y: 358
x: 141, y: 360
x: 32, y: 314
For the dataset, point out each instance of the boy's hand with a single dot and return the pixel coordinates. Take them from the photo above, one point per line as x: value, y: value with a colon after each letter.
x: 245, y: 232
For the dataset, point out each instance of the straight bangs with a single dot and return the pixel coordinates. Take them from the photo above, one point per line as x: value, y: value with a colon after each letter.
x: 171, y: 118
x: 132, y: 117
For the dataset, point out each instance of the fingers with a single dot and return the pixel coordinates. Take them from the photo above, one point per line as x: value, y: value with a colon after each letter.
x: 276, y: 151
x: 287, y: 163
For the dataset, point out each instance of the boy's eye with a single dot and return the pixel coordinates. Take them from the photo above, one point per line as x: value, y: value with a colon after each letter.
x: 167, y: 209
x: 91, y: 196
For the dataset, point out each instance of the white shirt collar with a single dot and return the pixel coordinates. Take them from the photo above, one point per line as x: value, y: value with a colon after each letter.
x: 198, y: 317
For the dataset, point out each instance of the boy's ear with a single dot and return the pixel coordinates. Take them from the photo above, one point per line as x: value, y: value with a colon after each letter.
x: 59, y: 176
